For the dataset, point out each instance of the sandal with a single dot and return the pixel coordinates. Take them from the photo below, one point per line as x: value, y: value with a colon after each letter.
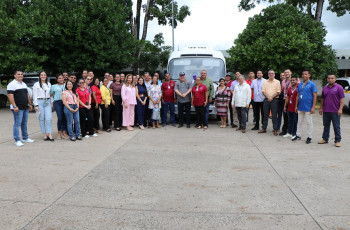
x: 199, y: 127
x: 108, y: 130
x: 205, y: 127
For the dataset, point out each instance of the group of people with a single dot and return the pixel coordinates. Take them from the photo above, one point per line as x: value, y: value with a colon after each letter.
x: 144, y: 101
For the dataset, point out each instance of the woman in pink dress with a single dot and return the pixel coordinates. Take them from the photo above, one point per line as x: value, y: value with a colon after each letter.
x: 129, y: 101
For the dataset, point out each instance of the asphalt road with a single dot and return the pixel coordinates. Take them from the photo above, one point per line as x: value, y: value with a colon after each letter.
x: 172, y: 178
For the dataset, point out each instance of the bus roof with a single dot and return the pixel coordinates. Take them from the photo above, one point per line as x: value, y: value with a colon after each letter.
x: 197, y: 52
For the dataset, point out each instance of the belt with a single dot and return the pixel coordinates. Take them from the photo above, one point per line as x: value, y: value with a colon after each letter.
x: 43, y: 98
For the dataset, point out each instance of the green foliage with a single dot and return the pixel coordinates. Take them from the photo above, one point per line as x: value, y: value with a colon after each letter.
x: 283, y: 37
x: 155, y: 54
x: 340, y: 7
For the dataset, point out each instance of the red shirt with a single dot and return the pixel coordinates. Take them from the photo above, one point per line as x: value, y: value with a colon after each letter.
x: 250, y: 83
x: 199, y: 95
x: 168, y: 89
x: 228, y: 84
x: 292, y: 98
x: 95, y: 89
x: 83, y: 96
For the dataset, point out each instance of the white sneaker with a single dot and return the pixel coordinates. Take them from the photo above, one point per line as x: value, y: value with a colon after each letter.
x: 19, y: 143
x: 95, y: 135
x: 293, y: 137
x: 28, y: 141
x: 287, y: 135
x: 86, y: 136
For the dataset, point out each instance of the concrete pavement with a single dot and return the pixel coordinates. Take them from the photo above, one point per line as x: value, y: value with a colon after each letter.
x: 172, y: 178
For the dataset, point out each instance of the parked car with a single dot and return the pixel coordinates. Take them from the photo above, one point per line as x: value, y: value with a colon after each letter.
x: 3, y: 97
x: 30, y: 81
x: 345, y: 83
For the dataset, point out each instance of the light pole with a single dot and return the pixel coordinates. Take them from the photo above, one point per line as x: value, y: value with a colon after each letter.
x: 172, y: 21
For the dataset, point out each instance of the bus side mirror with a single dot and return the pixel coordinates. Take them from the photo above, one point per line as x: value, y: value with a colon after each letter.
x: 346, y: 88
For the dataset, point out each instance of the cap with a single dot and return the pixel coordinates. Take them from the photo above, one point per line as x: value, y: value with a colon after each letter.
x: 228, y: 74
x: 181, y: 73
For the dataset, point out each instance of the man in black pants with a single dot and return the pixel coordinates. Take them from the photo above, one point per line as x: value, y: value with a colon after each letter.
x: 258, y: 98
x: 183, y: 91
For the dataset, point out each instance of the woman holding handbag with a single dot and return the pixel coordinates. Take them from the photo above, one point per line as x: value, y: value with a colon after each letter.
x: 155, y: 97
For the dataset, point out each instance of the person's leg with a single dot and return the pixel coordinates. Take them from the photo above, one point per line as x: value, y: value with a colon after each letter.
x: 119, y: 111
x: 290, y: 122
x: 132, y: 115
x: 59, y: 115
x: 274, y: 110
x: 197, y: 108
x: 188, y: 113
x: 82, y: 119
x: 262, y: 113
x: 139, y: 113
x: 203, y: 121
x: 235, y: 118
x: 301, y: 117
x: 285, y: 123
x: 165, y: 112
x: 172, y: 112
x: 48, y: 117
x: 231, y: 114
x: 239, y: 116
x: 24, y: 124
x: 69, y: 117
x: 243, y: 124
x: 266, y: 109
x: 90, y: 120
x: 103, y: 109
x: 326, y: 125
x: 180, y: 113
x: 256, y: 111
x: 336, y: 127
x: 308, y: 117
x: 206, y: 114
x: 41, y: 116
x: 77, y: 123
x: 252, y: 103
x: 280, y: 105
x: 17, y: 117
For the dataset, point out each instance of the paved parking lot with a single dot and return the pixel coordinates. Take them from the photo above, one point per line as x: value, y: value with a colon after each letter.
x: 172, y: 178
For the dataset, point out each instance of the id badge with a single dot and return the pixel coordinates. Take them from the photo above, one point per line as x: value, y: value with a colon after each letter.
x: 168, y: 86
x: 257, y: 93
x: 301, y: 96
x: 197, y: 89
x: 290, y: 101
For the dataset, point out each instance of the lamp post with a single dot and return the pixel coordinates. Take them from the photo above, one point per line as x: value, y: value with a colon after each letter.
x: 172, y: 21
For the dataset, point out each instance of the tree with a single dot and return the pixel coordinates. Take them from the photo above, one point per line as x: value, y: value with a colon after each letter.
x: 313, y: 7
x: 15, y: 50
x: 153, y: 9
x: 154, y: 54
x: 282, y: 37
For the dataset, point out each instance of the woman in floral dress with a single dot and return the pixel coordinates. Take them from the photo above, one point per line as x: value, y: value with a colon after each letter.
x: 155, y: 96
x: 222, y: 101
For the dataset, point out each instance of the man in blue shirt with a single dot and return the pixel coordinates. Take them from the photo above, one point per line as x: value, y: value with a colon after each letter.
x: 258, y: 98
x: 305, y: 105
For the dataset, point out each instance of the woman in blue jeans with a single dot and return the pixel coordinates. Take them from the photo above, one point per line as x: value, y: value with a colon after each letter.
x: 56, y: 93
x: 43, y: 105
x: 71, y: 110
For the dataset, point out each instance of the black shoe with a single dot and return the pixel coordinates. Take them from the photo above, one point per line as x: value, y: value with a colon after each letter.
x: 180, y: 126
x: 72, y: 139
x: 282, y: 134
x: 188, y: 126
x: 173, y: 125
x: 296, y: 138
x: 163, y: 125
x: 308, y: 140
x: 79, y: 138
x: 234, y: 126
x: 51, y: 139
x: 255, y: 128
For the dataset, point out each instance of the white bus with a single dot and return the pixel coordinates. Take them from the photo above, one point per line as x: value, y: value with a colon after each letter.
x: 192, y: 61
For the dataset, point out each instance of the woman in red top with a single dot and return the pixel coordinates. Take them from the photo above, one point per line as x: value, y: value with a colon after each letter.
x: 199, y: 101
x: 85, y: 115
x: 95, y: 102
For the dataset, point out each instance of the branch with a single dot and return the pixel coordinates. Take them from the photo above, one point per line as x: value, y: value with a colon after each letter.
x: 146, y: 19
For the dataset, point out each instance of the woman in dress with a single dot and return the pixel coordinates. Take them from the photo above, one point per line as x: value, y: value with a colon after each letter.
x: 106, y: 96
x: 95, y: 103
x: 43, y: 105
x: 116, y: 88
x: 141, y: 95
x: 71, y: 110
x: 129, y: 102
x: 222, y: 101
x: 56, y: 93
x: 155, y: 96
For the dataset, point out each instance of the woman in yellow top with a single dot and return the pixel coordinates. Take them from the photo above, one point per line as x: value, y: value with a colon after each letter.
x: 106, y: 104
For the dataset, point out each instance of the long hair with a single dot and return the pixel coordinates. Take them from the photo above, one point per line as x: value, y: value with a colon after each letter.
x: 73, y: 90
x: 143, y: 85
x: 40, y: 83
x: 126, y: 80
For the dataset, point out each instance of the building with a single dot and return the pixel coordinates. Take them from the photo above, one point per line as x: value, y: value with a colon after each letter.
x: 343, y: 62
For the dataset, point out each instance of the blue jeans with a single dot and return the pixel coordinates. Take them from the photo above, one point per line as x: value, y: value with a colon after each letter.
x: 292, y: 123
x: 171, y: 105
x: 206, y: 114
x: 70, y: 117
x: 335, y: 119
x: 21, y: 118
x: 45, y: 117
x: 61, y: 119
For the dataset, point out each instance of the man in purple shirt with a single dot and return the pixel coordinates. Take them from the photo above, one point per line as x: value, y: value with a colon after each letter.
x: 331, y: 107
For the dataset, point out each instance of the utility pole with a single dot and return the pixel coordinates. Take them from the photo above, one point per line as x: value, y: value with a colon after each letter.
x: 172, y: 21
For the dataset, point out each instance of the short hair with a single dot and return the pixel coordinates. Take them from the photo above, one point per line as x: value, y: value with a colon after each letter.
x: 260, y: 70
x: 306, y: 70
x: 332, y: 74
x: 271, y: 70
x: 85, y: 70
x: 17, y: 70
x: 72, y: 75
x: 294, y: 77
x: 57, y: 75
x: 288, y: 69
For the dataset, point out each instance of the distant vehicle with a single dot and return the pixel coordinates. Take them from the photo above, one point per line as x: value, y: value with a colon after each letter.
x: 192, y: 61
x: 3, y: 97
x: 30, y: 81
x: 345, y: 83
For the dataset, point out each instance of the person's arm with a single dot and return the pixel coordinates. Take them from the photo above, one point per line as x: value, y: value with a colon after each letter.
x: 35, y: 97
x: 263, y: 91
x: 192, y: 99
x: 12, y: 101
x: 296, y: 103
x: 286, y: 103
x: 124, y: 97
x: 321, y: 107
x: 211, y: 91
x: 278, y: 92
x: 340, y: 111
x: 233, y: 99
x: 249, y: 96
x: 95, y: 99
x: 137, y: 94
x: 314, y: 103
x: 206, y: 98
x: 103, y: 95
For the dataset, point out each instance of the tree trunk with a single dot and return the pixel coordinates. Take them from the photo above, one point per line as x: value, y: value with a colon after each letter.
x: 319, y: 8
x: 309, y: 10
x: 137, y: 20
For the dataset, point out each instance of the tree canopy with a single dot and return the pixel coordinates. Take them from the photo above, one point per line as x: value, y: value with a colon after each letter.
x: 313, y: 8
x: 281, y: 37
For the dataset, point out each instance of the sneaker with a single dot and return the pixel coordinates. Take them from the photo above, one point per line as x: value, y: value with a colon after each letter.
x: 28, y: 141
x: 141, y: 127
x: 86, y: 136
x: 94, y: 135
x: 308, y: 140
x: 296, y: 138
x: 323, y: 142
x: 337, y: 144
x: 19, y: 143
x: 287, y: 135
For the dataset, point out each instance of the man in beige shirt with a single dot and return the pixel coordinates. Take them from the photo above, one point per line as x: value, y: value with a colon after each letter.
x: 271, y: 90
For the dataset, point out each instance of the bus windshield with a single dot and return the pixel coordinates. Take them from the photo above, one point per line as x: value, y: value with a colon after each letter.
x: 191, y: 66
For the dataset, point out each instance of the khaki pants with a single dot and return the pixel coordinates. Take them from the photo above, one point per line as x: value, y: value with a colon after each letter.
x: 308, y: 117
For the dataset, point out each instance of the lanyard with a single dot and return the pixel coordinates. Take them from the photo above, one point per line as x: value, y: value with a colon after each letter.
x: 302, y: 87
x: 72, y: 96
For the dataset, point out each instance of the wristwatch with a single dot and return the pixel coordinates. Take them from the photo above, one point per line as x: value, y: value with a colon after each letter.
x: 14, y: 106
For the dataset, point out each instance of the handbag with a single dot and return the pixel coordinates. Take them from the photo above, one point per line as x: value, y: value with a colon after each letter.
x: 155, y: 114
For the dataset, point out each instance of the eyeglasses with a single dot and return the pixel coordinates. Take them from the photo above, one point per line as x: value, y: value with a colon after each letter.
x: 81, y: 82
x: 88, y: 79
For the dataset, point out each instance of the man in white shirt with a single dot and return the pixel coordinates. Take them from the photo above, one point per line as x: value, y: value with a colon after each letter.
x: 241, y: 100
x: 20, y: 105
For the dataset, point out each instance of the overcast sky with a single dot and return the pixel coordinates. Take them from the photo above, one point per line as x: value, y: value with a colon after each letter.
x: 217, y: 23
